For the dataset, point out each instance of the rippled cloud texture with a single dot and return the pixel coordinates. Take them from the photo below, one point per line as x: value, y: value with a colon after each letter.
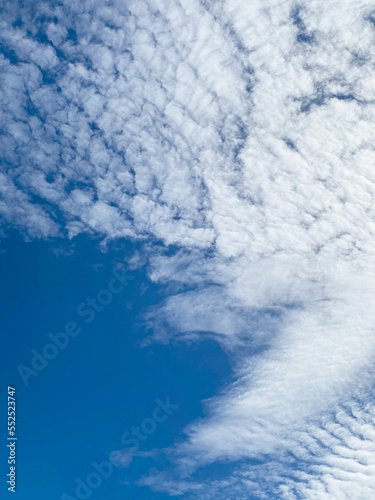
x: 242, y: 134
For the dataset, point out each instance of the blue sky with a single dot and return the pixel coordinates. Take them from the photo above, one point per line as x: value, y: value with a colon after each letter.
x: 220, y: 154
x: 76, y: 410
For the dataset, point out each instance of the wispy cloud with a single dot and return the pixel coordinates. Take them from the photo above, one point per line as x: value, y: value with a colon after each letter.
x: 241, y: 134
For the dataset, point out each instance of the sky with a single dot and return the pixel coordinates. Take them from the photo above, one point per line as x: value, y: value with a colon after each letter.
x: 187, y: 212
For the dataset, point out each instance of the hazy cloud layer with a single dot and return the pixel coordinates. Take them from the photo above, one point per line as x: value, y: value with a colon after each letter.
x: 243, y: 134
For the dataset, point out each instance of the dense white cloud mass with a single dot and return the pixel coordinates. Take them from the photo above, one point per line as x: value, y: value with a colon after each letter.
x: 243, y: 134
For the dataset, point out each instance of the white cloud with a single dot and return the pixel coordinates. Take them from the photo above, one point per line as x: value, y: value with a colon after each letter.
x: 242, y: 133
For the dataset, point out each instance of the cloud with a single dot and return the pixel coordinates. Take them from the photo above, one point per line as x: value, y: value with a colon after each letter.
x: 240, y: 135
